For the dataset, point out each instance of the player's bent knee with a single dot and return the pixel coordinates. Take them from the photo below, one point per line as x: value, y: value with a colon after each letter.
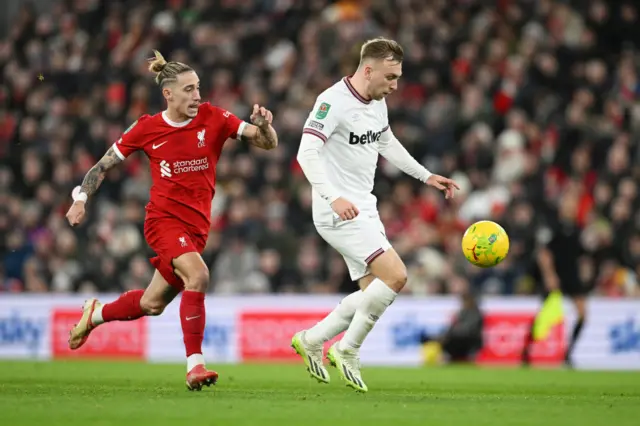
x: 152, y: 307
x: 398, y: 279
x: 197, y: 280
x: 192, y: 271
x: 389, y: 268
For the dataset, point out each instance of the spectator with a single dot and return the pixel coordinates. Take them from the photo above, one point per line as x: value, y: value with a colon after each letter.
x: 522, y: 102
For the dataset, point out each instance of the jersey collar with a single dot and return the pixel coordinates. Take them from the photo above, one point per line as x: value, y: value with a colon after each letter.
x: 354, y: 92
x: 174, y: 123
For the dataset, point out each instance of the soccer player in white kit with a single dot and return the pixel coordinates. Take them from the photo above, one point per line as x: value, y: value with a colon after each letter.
x: 338, y: 153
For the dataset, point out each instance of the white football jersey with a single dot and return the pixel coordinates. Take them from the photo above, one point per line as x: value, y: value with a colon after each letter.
x: 350, y: 127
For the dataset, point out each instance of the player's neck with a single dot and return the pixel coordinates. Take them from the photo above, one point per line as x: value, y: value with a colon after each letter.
x: 359, y: 83
x: 175, y: 116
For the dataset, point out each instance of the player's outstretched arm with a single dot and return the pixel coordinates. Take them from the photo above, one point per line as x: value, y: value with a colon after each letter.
x: 391, y: 149
x: 90, y: 184
x: 96, y: 174
x: 261, y: 134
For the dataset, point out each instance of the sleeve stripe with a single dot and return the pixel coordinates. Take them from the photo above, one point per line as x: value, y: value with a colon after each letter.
x: 385, y: 128
x: 117, y: 150
x: 241, y: 128
x: 315, y: 133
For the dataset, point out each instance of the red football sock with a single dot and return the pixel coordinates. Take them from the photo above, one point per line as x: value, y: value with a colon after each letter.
x: 192, y: 318
x: 126, y: 308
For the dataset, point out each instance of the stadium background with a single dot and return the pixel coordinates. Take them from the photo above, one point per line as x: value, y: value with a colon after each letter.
x: 525, y: 103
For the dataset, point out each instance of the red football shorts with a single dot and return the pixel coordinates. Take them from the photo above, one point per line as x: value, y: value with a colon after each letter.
x: 170, y: 238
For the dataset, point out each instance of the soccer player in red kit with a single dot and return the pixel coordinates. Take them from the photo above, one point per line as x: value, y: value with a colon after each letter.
x: 183, y: 144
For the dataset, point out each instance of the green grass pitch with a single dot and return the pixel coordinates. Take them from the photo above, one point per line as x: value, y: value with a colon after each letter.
x: 122, y: 394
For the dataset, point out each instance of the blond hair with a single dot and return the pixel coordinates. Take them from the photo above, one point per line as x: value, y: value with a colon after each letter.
x: 166, y: 72
x: 381, y: 48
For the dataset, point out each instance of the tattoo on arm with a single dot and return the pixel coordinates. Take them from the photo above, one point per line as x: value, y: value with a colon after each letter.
x: 263, y: 138
x: 95, y: 176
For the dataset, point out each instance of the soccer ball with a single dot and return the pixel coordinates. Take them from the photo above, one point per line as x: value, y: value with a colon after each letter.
x: 485, y: 244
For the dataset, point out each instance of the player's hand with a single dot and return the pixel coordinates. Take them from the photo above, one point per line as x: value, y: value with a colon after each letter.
x: 444, y: 184
x: 261, y: 116
x: 345, y: 209
x: 75, y: 215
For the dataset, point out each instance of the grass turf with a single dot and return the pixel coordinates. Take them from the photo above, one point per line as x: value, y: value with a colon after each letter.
x: 121, y: 394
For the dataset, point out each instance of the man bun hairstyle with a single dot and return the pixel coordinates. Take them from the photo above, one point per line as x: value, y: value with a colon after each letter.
x: 166, y: 72
x: 382, y: 48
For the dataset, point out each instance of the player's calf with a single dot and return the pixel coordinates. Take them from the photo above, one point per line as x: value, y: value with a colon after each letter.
x: 391, y: 276
x: 125, y: 308
x: 130, y: 306
x: 194, y: 273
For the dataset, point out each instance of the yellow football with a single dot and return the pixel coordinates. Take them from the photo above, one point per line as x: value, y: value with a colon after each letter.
x: 485, y: 244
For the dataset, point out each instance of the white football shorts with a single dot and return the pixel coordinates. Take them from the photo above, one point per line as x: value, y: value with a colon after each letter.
x: 360, y: 241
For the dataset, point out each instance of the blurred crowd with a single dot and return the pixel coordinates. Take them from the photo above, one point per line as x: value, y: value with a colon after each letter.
x: 525, y: 103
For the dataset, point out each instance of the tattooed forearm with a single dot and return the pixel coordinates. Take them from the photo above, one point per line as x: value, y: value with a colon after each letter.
x: 92, y: 180
x: 95, y: 176
x: 265, y: 138
x: 268, y: 137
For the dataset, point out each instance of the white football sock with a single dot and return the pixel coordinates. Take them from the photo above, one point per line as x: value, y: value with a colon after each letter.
x: 377, y: 297
x: 336, y: 322
x: 96, y: 316
x: 193, y: 360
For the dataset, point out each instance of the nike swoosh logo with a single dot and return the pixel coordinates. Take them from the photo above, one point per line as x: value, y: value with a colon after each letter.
x: 159, y: 145
x: 190, y: 318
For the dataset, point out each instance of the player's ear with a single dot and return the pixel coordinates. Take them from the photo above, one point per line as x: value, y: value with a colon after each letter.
x: 166, y: 92
x: 368, y: 71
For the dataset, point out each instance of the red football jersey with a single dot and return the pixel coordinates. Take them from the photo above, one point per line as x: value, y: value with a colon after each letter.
x: 183, y: 159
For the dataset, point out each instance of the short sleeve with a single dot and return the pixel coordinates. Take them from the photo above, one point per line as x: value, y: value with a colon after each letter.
x: 232, y: 125
x: 132, y: 139
x: 322, y: 120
